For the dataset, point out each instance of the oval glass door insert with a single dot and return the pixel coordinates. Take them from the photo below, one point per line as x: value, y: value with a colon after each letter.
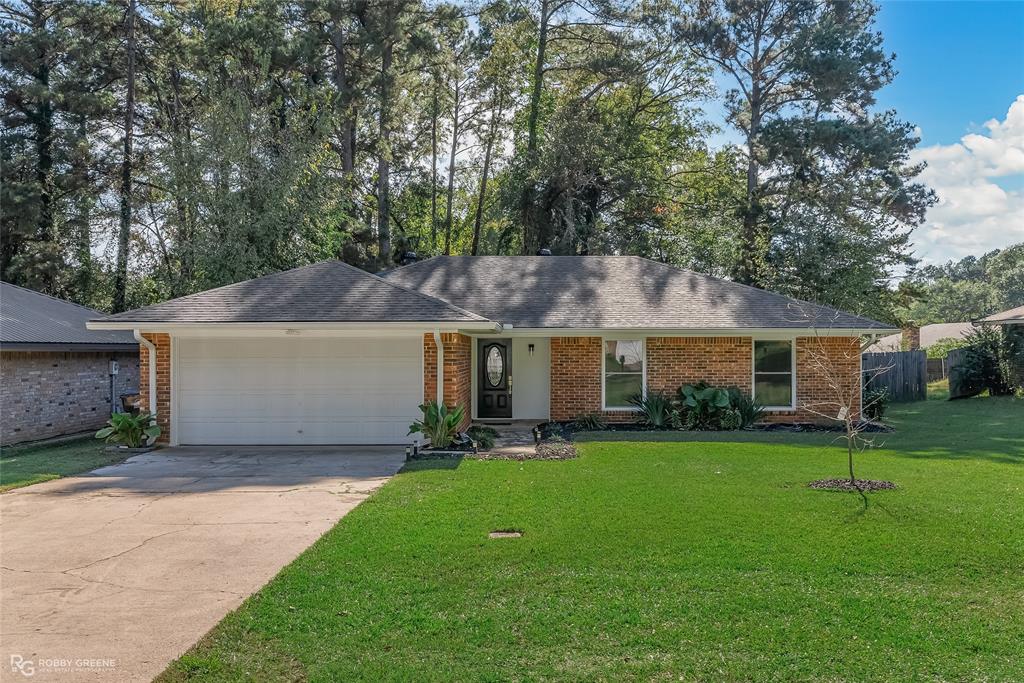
x: 495, y: 366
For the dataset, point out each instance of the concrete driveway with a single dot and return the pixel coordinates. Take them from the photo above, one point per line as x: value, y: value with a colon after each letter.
x: 111, y: 575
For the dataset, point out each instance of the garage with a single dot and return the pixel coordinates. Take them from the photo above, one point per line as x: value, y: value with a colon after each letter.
x: 301, y: 391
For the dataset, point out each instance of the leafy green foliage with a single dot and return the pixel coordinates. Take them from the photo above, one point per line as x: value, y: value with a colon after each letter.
x: 589, y: 422
x: 656, y: 409
x: 993, y: 360
x: 130, y: 429
x: 942, y: 347
x: 875, y: 402
x: 439, y: 423
x: 747, y: 408
x: 703, y: 406
x: 483, y: 435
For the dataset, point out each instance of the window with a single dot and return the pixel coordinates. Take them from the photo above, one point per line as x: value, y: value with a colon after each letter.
x: 773, y: 373
x: 623, y: 372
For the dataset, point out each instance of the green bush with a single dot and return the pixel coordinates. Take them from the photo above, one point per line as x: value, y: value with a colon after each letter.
x: 701, y: 406
x: 656, y: 410
x: 749, y: 409
x: 439, y: 424
x: 993, y: 360
x: 484, y: 436
x: 589, y: 422
x: 942, y: 347
x: 130, y: 430
x: 875, y: 402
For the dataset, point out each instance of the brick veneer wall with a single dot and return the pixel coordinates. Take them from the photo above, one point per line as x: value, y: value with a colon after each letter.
x: 720, y: 361
x: 723, y: 361
x: 44, y: 394
x: 163, y: 381
x: 458, y: 371
x: 820, y: 362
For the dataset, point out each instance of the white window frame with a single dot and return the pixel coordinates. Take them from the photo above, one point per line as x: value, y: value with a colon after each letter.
x: 643, y: 374
x: 792, y: 367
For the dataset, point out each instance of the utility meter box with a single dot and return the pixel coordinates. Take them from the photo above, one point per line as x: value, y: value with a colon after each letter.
x: 114, y: 367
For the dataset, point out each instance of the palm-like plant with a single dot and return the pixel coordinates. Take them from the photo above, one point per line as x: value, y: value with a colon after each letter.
x: 656, y: 409
x: 439, y: 424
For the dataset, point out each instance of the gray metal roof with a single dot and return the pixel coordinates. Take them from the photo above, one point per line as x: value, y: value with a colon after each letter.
x: 29, y: 318
x: 329, y: 291
x: 610, y: 292
x: 1013, y: 315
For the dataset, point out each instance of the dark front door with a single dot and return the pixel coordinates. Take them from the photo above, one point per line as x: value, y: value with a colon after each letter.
x: 494, y: 382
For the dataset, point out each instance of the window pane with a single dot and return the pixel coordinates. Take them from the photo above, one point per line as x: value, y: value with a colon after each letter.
x: 619, y: 388
x: 623, y: 356
x: 772, y: 356
x: 495, y: 367
x: 774, y: 390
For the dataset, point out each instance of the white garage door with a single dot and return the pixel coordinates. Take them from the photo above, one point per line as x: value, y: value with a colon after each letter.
x: 297, y: 391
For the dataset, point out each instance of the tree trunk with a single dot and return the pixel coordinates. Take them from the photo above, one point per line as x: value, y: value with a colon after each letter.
x: 532, y: 240
x: 121, y: 272
x: 478, y: 220
x: 451, y: 172
x: 433, y: 171
x: 384, y: 154
x: 83, y: 234
x: 344, y: 90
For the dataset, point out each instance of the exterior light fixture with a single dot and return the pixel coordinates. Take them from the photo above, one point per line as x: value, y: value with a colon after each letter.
x: 530, y: 348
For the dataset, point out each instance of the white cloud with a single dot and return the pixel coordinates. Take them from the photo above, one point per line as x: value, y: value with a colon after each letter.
x: 974, y: 213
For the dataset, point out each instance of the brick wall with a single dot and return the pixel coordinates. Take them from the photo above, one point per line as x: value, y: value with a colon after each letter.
x: 458, y: 371
x: 163, y: 381
x: 720, y: 361
x: 44, y: 394
x: 822, y: 364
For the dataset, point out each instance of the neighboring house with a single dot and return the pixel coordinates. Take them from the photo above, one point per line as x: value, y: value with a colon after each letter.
x: 55, y: 375
x: 927, y: 336
x: 1013, y: 316
x: 330, y: 354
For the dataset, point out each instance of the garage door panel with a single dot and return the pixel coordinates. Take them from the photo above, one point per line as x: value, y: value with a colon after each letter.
x: 297, y: 391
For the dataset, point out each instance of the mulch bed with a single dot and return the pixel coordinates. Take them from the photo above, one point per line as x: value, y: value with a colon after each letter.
x: 856, y: 485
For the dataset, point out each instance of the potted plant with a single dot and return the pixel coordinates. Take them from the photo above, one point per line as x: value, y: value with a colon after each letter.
x: 134, y: 433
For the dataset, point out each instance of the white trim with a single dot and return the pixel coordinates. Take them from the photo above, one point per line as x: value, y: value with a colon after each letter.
x: 643, y: 373
x: 642, y: 333
x: 233, y: 329
x: 440, y: 367
x: 151, y: 348
x: 792, y: 366
x: 174, y: 391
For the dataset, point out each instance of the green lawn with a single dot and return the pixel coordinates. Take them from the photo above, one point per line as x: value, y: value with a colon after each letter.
x: 24, y: 465
x: 706, y: 559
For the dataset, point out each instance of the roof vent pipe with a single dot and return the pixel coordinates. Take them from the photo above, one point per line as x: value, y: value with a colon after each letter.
x: 543, y: 252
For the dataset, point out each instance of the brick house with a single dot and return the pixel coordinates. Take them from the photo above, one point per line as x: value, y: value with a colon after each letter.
x: 56, y: 376
x: 329, y: 354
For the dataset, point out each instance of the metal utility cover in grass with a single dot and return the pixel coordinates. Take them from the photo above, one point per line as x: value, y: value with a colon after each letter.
x: 505, y: 534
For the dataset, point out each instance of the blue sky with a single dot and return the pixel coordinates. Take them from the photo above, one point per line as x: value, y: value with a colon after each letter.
x: 961, y: 82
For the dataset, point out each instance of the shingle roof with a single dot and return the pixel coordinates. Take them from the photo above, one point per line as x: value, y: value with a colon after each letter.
x: 610, y: 292
x: 329, y: 291
x: 1013, y: 315
x: 31, y: 318
x: 929, y: 335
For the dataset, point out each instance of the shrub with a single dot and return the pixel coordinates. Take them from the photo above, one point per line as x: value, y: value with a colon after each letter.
x: 484, y: 436
x: 656, y: 410
x: 994, y: 360
x: 702, y: 405
x: 748, y: 408
x: 942, y: 347
x: 875, y: 402
x: 439, y: 424
x: 130, y: 430
x: 589, y: 422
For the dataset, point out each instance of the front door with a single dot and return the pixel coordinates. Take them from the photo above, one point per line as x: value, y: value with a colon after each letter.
x: 494, y: 380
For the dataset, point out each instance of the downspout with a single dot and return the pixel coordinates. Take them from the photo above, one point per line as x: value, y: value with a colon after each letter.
x: 152, y: 369
x: 440, y: 366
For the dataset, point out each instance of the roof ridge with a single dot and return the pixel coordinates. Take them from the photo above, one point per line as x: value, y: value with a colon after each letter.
x: 769, y: 292
x: 50, y: 296
x: 428, y: 297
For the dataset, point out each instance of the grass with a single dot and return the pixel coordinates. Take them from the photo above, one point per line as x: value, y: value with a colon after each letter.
x: 938, y: 390
x: 707, y: 559
x: 25, y: 465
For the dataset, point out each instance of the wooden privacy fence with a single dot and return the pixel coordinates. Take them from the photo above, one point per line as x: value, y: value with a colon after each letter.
x: 903, y: 373
x: 938, y: 368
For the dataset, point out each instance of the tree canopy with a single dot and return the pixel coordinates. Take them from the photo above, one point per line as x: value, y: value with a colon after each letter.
x: 154, y: 148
